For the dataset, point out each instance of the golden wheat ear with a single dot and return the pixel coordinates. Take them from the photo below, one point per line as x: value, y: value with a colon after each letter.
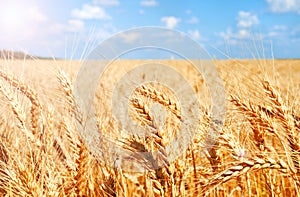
x: 16, y: 108
x: 161, y: 98
x: 66, y: 86
x: 3, y: 153
x: 287, y: 120
x: 247, y: 166
x: 35, y: 109
x: 259, y: 123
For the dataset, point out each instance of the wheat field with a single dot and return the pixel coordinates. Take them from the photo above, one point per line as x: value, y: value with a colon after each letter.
x: 257, y: 152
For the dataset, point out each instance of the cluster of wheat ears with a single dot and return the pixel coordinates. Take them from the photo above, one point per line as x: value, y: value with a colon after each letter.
x: 42, y: 154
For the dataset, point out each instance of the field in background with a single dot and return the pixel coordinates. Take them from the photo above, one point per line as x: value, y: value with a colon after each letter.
x: 257, y: 154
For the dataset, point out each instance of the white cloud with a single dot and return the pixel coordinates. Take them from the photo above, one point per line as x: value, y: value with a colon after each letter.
x: 295, y: 31
x: 195, y: 34
x: 226, y: 35
x: 243, y: 33
x: 229, y: 35
x: 130, y: 37
x: 273, y: 34
x: 104, y: 32
x: 90, y: 12
x: 278, y: 31
x: 149, y: 3
x: 141, y: 11
x: 107, y: 2
x: 36, y: 14
x: 246, y: 19
x: 280, y: 27
x: 281, y: 6
x: 75, y: 25
x: 193, y: 20
x: 170, y: 21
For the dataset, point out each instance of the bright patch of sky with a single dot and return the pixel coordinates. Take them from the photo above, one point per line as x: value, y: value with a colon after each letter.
x: 237, y: 29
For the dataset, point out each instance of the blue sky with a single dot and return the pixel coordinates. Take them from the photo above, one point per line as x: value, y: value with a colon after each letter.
x: 238, y: 29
